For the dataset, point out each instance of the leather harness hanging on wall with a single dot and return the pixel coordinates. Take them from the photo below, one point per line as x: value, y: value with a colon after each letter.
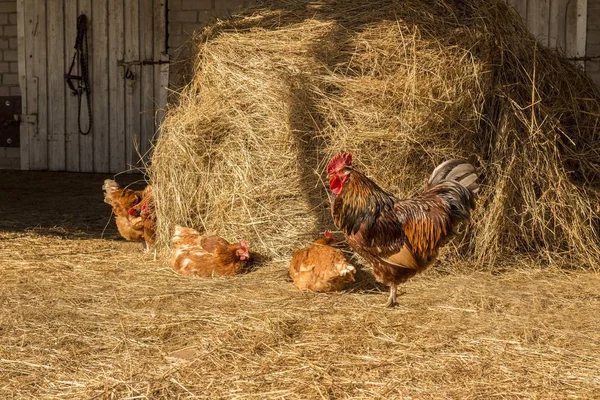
x: 83, y: 81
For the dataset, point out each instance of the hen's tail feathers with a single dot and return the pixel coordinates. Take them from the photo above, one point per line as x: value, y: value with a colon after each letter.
x: 181, y: 232
x: 346, y: 269
x: 455, y: 170
x: 109, y: 187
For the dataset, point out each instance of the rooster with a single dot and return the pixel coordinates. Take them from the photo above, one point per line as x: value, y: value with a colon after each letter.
x: 122, y: 200
x: 320, y: 267
x: 144, y: 212
x: 203, y: 256
x: 400, y: 238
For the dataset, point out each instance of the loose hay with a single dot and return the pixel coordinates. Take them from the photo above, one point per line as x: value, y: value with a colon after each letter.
x: 402, y: 84
x: 88, y: 318
x: 97, y: 321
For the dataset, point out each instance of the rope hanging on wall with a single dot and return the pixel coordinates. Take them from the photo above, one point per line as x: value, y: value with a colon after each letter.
x: 83, y: 81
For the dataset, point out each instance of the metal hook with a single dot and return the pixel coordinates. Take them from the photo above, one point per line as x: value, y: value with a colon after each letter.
x: 129, y: 74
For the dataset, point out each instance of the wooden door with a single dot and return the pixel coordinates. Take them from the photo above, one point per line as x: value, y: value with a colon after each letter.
x: 124, y: 38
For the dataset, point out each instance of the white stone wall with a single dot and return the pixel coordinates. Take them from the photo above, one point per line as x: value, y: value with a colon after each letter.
x: 9, y: 78
x: 187, y: 17
x: 8, y: 49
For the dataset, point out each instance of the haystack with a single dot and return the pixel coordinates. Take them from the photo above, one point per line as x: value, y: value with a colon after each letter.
x: 404, y: 85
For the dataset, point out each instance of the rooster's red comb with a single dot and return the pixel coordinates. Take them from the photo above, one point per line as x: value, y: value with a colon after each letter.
x: 341, y: 160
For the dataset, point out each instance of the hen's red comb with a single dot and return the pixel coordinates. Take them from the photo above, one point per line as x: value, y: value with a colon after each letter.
x: 244, y: 245
x: 328, y: 234
x: 341, y: 160
x: 131, y: 211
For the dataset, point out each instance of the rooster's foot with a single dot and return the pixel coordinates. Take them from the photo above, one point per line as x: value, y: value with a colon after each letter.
x: 391, y: 303
x: 392, y: 299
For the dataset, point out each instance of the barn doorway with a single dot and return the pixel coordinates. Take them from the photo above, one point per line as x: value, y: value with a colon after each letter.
x: 128, y: 69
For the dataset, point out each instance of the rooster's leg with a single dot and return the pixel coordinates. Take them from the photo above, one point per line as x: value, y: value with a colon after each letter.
x: 392, y: 300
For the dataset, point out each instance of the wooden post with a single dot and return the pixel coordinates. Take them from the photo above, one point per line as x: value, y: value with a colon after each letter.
x: 22, y: 55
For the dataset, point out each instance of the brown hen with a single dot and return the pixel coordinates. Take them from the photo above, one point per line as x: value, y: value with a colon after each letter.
x: 320, y: 267
x: 122, y: 200
x: 146, y: 213
x: 203, y: 256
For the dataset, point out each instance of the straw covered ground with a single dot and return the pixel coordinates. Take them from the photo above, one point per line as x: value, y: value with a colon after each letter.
x: 89, y: 317
x: 403, y: 85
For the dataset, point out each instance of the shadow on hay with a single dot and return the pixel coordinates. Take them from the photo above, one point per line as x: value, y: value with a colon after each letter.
x: 365, y: 282
x: 305, y: 124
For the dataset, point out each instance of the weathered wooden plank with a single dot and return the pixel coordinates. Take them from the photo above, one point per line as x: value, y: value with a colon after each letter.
x: 22, y: 44
x: 86, y: 142
x: 563, y: 12
x: 544, y: 21
x: 56, y: 86
x: 520, y: 6
x: 147, y: 78
x: 132, y: 91
x: 554, y: 28
x: 161, y: 87
x: 116, y: 48
x: 71, y: 115
x: 33, y: 90
x: 100, y: 109
x: 571, y: 29
x: 581, y: 39
x: 161, y: 71
x: 38, y: 95
x: 160, y: 29
x: 535, y: 19
x: 575, y: 30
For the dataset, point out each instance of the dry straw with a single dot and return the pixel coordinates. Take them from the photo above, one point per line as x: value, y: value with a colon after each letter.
x: 403, y: 85
x: 88, y: 318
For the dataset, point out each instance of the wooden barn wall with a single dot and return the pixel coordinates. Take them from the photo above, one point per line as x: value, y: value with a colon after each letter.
x: 560, y: 24
x: 125, y: 112
x: 592, y: 65
x: 126, y: 31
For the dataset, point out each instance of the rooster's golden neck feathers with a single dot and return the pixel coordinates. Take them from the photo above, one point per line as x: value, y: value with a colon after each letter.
x: 360, y: 202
